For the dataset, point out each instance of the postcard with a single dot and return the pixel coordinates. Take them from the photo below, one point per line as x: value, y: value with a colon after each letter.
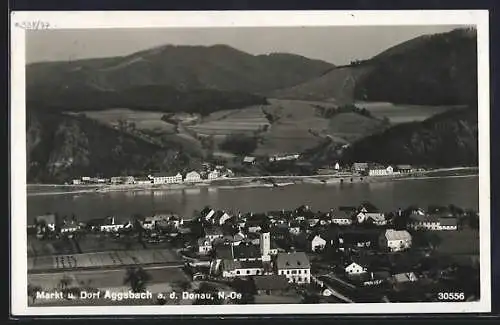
x: 260, y: 162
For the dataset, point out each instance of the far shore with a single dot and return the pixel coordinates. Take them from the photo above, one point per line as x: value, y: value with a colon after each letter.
x: 247, y: 182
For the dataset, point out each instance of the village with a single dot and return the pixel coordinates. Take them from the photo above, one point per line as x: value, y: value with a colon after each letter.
x: 253, y: 166
x: 346, y: 255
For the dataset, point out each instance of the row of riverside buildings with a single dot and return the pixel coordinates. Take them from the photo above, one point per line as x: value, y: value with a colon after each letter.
x: 160, y: 178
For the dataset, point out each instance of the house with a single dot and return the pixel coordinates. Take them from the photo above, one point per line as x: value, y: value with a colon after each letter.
x: 336, y: 166
x: 204, y: 246
x: 142, y: 180
x: 77, y: 182
x: 116, y: 180
x: 360, y: 167
x: 395, y: 240
x: 235, y: 268
x: 341, y: 218
x: 212, y: 233
x: 193, y: 177
x: 249, y: 160
x: 246, y: 252
x: 294, y: 230
x: 129, y: 179
x: 208, y: 214
x: 402, y: 278
x: 166, y: 178
x: 448, y: 223
x: 270, y: 284
x: 316, y: 243
x: 422, y: 221
x: 69, y: 228
x: 109, y: 225
x: 376, y: 217
x: 221, y: 217
x: 355, y: 268
x: 214, y: 174
x: 294, y: 266
x: 404, y: 169
x: 284, y: 157
x: 148, y: 223
x: 380, y: 171
x: 46, y: 222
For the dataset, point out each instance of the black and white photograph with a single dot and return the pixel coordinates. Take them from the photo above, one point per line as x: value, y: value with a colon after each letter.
x: 256, y: 162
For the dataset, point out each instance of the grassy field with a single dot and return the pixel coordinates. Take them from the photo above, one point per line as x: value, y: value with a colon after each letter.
x: 104, y: 278
x: 143, y: 120
x: 103, y: 259
x: 298, y: 126
x: 400, y: 113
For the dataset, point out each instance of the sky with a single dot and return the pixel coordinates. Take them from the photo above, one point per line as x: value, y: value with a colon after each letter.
x: 335, y: 44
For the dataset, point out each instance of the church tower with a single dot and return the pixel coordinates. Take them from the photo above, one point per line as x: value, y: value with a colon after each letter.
x: 265, y: 245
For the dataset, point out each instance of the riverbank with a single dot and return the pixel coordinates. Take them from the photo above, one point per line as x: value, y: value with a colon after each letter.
x: 249, y: 182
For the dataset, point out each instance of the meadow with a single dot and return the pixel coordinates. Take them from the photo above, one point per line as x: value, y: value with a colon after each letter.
x: 295, y: 126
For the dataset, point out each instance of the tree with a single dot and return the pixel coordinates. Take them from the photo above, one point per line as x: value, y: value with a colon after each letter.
x: 65, y: 282
x: 247, y: 290
x: 32, y: 290
x: 208, y: 288
x: 137, y: 278
x: 239, y: 144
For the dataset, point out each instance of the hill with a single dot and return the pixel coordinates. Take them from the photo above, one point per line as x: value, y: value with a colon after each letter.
x: 444, y: 140
x: 143, y: 98
x: 438, y: 69
x: 218, y: 67
x: 61, y: 147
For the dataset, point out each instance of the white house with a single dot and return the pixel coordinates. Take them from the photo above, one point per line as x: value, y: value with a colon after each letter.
x: 234, y: 268
x: 163, y: 178
x: 110, y: 225
x: 204, y: 246
x: 381, y: 171
x: 341, y: 218
x: 337, y: 166
x: 395, y: 240
x: 69, y: 228
x: 355, y: 268
x: 249, y: 160
x: 295, y: 266
x: 317, y: 243
x: 212, y: 233
x: 378, y: 218
x: 193, y: 177
x: 142, y: 180
x: 77, y: 182
x: 214, y: 174
x: 294, y: 230
x: 422, y: 221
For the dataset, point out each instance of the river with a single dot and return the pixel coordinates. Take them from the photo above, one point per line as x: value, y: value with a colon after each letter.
x: 388, y: 196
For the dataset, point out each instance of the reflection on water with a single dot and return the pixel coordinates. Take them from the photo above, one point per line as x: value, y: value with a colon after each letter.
x: 386, y: 195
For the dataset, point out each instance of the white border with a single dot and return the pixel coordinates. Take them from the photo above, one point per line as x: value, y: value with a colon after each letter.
x: 86, y: 20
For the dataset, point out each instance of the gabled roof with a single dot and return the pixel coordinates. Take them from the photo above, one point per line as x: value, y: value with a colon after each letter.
x: 249, y: 159
x: 223, y: 252
x: 391, y: 234
x: 297, y: 260
x: 448, y: 222
x: 213, y: 231
x: 246, y: 251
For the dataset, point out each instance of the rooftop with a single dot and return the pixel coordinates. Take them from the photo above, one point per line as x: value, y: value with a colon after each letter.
x: 297, y: 260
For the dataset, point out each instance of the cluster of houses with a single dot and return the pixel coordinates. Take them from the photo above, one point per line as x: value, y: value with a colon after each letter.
x: 381, y: 170
x: 254, y: 245
x: 52, y: 224
x: 161, y: 178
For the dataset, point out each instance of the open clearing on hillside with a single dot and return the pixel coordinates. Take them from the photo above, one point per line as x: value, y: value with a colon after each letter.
x: 401, y: 113
x: 297, y: 126
x: 143, y: 120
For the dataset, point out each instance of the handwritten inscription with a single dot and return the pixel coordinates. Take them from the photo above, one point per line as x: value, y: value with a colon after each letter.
x: 33, y: 25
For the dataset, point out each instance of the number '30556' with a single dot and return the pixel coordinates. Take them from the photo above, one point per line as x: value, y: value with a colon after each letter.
x: 451, y: 296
